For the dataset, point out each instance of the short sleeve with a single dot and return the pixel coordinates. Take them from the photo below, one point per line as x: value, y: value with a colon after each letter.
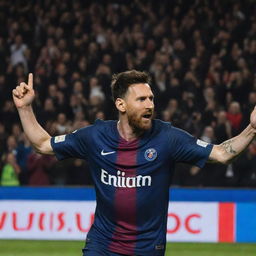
x: 71, y: 145
x: 188, y: 149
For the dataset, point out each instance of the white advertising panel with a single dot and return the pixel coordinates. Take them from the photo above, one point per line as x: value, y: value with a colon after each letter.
x: 71, y: 220
x: 60, y: 220
x: 192, y: 221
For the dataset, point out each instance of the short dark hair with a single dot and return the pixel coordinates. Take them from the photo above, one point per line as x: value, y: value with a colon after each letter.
x: 121, y: 82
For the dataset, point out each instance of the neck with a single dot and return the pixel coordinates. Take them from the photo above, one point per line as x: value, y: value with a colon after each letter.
x: 126, y: 131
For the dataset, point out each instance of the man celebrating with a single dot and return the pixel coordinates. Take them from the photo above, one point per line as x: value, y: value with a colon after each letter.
x: 131, y: 161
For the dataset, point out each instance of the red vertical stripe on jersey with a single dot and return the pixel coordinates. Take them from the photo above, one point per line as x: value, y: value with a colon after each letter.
x: 226, y: 222
x: 124, y: 236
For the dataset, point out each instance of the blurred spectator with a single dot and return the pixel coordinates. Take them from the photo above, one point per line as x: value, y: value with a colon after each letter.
x: 62, y: 125
x: 38, y: 167
x: 100, y: 115
x: 78, y: 173
x: 59, y: 172
x: 193, y: 124
x: 11, y: 145
x: 3, y: 136
x: 173, y: 89
x: 24, y: 149
x: 79, y: 121
x: 235, y: 116
x: 17, y: 131
x: 9, y: 114
x: 187, y: 176
x: 173, y: 111
x: 210, y: 106
x: 248, y: 107
x: 48, y: 113
x: 245, y: 168
x: 10, y: 171
x: 208, y: 135
x: 222, y: 128
x: 18, y: 52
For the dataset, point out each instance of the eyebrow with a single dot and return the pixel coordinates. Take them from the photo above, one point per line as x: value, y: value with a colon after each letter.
x: 144, y: 97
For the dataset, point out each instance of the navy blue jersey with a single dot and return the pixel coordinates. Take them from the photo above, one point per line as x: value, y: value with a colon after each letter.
x: 132, y: 181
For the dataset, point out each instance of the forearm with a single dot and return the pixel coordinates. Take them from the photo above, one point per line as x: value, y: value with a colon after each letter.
x: 38, y: 137
x: 230, y: 149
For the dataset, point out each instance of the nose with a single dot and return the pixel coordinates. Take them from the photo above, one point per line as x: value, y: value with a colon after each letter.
x: 149, y: 103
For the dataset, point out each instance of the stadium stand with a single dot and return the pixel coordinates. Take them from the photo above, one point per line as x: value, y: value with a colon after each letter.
x: 201, y: 55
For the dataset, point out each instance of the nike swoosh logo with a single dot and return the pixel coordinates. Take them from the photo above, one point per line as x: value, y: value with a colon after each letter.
x: 106, y: 153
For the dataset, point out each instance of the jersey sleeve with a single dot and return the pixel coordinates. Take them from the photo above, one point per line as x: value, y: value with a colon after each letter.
x: 71, y: 145
x: 188, y: 149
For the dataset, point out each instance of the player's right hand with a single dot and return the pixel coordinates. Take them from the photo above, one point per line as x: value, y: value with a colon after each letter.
x: 24, y: 94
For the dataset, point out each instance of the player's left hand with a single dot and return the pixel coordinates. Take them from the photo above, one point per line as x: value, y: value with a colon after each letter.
x: 253, y: 118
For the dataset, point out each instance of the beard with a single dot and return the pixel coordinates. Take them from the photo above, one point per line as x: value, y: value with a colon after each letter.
x: 138, y: 123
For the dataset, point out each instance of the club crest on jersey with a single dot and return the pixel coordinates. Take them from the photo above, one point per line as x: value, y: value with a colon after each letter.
x: 150, y: 154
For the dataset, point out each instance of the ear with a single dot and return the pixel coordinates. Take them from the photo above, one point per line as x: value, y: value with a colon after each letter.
x: 120, y: 105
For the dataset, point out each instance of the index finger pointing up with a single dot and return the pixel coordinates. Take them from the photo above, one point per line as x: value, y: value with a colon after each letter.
x: 30, y: 80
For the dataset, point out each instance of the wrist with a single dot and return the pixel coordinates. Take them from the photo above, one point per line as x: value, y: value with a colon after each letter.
x: 25, y: 108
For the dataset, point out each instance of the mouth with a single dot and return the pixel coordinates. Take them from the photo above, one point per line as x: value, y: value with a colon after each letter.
x: 147, y: 116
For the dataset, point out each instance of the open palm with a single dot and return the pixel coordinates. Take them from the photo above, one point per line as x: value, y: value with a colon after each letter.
x: 24, y: 94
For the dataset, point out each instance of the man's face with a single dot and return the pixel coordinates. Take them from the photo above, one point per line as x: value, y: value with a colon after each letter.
x: 139, y: 106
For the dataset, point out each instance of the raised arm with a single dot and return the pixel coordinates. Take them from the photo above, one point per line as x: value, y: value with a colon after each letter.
x: 23, y: 96
x: 230, y: 149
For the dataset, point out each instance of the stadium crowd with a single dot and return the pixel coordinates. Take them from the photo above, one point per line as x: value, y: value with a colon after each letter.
x: 201, y: 55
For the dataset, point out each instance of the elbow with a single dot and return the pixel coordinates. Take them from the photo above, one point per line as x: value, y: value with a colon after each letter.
x: 220, y: 156
x: 38, y: 149
x: 224, y: 159
x: 43, y: 148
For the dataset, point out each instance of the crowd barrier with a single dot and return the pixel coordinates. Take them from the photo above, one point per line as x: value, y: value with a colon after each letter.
x: 195, y: 215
